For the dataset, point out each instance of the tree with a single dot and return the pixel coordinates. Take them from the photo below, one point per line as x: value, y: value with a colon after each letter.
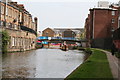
x: 5, y: 40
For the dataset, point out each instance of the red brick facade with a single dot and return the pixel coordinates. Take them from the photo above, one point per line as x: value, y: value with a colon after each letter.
x: 99, y: 24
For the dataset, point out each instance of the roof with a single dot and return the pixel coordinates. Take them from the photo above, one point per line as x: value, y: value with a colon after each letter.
x: 48, y: 29
x: 68, y: 28
x: 103, y: 8
x: 21, y: 5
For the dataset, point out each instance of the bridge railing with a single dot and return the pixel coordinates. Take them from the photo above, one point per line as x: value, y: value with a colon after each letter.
x: 58, y: 38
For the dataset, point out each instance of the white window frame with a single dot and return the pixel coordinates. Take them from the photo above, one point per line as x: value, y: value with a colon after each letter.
x: 113, y: 13
x: 12, y: 41
x: 119, y: 22
x: 113, y: 20
x: 2, y: 9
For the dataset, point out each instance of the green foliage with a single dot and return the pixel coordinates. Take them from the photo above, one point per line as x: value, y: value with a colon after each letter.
x: 82, y: 36
x: 78, y: 48
x: 5, y: 40
x: 88, y: 50
x: 96, y: 67
x: 117, y: 54
x: 75, y: 47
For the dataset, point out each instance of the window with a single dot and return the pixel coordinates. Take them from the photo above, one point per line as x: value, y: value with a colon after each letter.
x: 15, y: 26
x: 10, y: 11
x: 12, y: 41
x: 113, y: 20
x: 113, y: 13
x: 15, y: 41
x: 17, y: 15
x: 7, y: 11
x: 9, y: 25
x: 1, y: 23
x: 2, y: 9
x: 119, y: 22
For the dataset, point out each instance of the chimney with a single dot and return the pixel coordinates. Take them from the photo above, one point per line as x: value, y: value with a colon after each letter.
x: 21, y: 5
x: 36, y: 22
x: 15, y: 2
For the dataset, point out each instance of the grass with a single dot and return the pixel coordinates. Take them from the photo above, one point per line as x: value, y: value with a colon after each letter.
x: 96, y: 66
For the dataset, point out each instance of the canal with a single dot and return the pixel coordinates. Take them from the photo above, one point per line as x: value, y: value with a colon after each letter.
x: 41, y: 63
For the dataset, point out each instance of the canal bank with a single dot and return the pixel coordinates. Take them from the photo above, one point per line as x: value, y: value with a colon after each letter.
x: 41, y: 63
x: 95, y: 67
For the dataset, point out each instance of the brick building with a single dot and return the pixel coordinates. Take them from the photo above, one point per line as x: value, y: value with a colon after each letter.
x: 48, y: 32
x: 99, y: 25
x: 63, y: 32
x: 69, y: 33
x: 18, y: 22
x: 73, y: 32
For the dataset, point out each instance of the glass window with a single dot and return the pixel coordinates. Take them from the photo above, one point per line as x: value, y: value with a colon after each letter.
x: 119, y: 22
x: 113, y: 20
x: 9, y: 25
x: 15, y: 26
x: 7, y: 11
x: 2, y: 9
x: 10, y: 12
x: 13, y: 41
x: 1, y: 23
x: 113, y: 13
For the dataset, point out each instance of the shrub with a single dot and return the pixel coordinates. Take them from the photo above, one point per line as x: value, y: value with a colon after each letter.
x: 75, y: 47
x: 117, y: 54
x: 88, y: 50
x: 81, y: 48
x: 5, y: 40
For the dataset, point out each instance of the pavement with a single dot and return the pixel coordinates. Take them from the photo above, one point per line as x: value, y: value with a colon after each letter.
x: 114, y: 63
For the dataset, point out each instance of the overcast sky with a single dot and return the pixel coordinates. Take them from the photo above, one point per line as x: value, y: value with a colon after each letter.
x: 60, y: 13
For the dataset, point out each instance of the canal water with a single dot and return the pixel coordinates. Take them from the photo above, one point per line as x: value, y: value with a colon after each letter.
x: 41, y: 63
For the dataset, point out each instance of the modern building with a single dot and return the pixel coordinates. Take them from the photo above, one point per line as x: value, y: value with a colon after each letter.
x: 103, y: 4
x: 73, y: 32
x: 69, y: 33
x: 19, y: 23
x: 100, y: 24
x: 63, y: 32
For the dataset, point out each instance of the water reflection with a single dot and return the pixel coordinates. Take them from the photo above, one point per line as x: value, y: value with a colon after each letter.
x: 41, y: 63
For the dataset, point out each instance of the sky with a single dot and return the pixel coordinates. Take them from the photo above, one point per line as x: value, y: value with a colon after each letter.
x: 60, y: 13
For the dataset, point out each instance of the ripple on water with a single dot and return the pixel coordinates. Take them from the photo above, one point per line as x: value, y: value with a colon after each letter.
x: 41, y: 63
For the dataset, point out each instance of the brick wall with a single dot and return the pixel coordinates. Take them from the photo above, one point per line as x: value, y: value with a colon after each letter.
x: 98, y: 26
x: 48, y: 32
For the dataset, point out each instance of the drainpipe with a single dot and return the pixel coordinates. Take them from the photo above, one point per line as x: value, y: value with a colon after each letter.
x: 5, y: 12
